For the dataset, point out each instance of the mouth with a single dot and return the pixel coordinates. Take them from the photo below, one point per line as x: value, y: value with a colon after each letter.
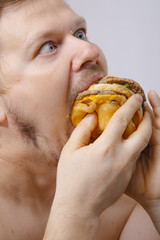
x: 95, y: 77
x: 84, y: 85
x: 90, y: 74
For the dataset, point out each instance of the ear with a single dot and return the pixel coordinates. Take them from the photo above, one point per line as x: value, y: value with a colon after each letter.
x: 3, y: 116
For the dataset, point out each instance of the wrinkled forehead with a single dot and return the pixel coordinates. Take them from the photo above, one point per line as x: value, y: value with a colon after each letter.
x: 23, y: 18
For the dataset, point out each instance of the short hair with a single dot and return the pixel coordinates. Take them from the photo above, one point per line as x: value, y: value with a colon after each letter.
x: 5, y: 3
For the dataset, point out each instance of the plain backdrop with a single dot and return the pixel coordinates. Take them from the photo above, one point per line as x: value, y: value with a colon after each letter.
x: 128, y: 32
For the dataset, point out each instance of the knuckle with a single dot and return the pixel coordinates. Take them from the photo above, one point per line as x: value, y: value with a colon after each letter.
x: 106, y: 151
x: 135, y: 156
x: 123, y: 121
x: 145, y: 137
x: 146, y: 134
x: 130, y: 157
x: 124, y: 169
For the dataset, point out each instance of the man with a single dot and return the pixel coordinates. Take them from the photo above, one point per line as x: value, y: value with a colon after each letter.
x: 54, y: 185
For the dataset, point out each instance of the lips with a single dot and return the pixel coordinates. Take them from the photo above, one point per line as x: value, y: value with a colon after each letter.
x: 90, y: 81
x: 82, y: 80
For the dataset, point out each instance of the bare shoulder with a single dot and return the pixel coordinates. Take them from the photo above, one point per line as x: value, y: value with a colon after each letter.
x: 126, y: 220
x: 113, y: 219
x: 139, y: 226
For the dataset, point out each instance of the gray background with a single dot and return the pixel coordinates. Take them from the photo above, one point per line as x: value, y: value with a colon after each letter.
x: 128, y: 32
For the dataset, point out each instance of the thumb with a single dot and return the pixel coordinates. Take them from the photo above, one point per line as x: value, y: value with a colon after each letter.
x: 82, y: 133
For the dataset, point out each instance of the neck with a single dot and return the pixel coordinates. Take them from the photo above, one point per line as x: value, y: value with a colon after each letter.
x: 29, y: 174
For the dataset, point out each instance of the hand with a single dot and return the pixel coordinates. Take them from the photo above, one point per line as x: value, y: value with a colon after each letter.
x: 92, y: 177
x: 145, y: 183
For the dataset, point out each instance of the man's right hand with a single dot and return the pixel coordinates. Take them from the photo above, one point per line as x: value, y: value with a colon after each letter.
x: 91, y: 177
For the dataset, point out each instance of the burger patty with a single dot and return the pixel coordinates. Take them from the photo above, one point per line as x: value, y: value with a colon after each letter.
x: 95, y: 92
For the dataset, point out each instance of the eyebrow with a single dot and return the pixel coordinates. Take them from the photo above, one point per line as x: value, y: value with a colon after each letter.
x: 79, y: 21
x: 47, y: 33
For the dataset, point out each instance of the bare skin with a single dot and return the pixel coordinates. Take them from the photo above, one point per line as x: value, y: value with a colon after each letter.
x: 44, y: 65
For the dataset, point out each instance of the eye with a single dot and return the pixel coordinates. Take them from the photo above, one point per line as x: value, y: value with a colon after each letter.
x: 47, y: 48
x: 81, y: 34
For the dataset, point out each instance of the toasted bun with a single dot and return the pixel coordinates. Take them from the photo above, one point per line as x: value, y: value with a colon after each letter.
x: 104, y: 97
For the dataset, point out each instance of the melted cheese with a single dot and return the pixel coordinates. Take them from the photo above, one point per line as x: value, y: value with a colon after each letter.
x: 104, y: 106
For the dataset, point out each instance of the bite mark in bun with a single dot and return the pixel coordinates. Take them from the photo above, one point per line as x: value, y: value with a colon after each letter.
x: 104, y: 97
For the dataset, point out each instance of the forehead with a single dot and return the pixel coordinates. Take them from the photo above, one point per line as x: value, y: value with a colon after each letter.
x: 22, y: 19
x: 29, y: 9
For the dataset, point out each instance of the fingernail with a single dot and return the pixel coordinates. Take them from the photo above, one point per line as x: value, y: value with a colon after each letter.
x: 139, y: 98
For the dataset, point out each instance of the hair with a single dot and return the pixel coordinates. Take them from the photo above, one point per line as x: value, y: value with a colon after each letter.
x: 6, y: 3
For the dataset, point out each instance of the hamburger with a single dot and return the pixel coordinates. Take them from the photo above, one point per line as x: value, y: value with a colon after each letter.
x: 104, y: 97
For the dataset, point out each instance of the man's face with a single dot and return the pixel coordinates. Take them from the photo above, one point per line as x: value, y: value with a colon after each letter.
x: 46, y: 60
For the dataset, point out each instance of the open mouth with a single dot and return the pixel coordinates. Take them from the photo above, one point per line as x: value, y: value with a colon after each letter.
x: 96, y: 77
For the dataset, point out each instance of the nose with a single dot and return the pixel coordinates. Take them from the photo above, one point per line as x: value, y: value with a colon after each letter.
x: 82, y: 52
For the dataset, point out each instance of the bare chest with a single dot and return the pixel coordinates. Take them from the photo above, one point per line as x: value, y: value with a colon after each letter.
x: 113, y: 220
x: 19, y: 223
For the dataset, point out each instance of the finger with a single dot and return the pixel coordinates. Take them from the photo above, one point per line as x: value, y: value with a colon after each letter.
x: 154, y: 100
x: 121, y: 118
x: 138, y: 140
x: 82, y: 133
x: 148, y: 109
